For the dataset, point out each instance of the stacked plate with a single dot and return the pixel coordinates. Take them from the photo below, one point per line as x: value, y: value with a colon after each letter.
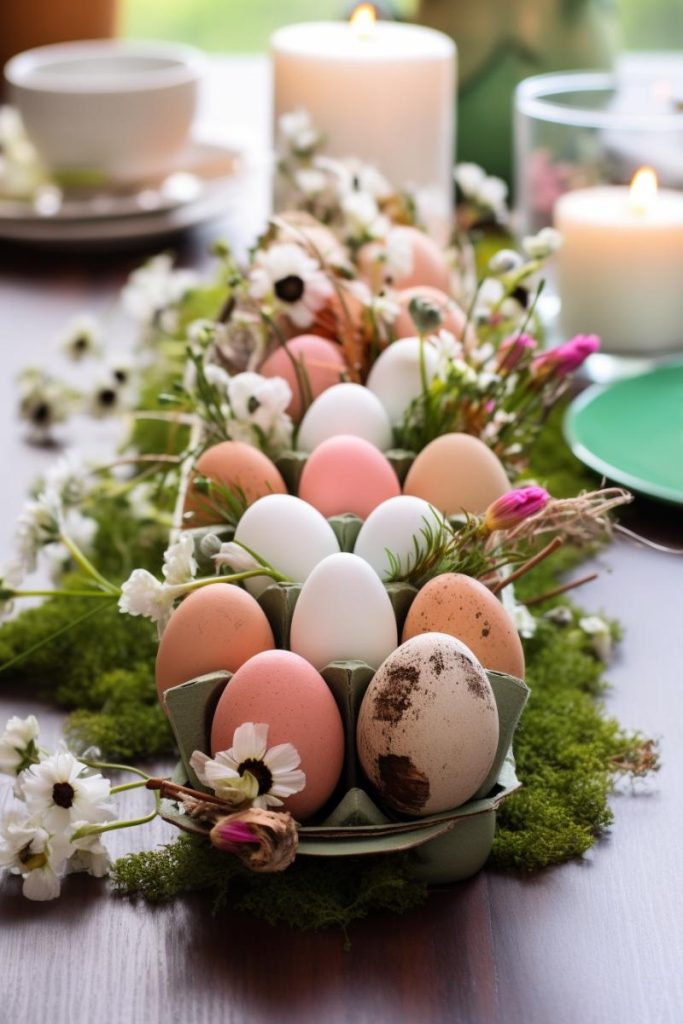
x: 204, y: 184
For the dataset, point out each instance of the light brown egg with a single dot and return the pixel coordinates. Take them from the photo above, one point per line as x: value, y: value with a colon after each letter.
x: 239, y: 468
x: 323, y: 361
x: 217, y: 627
x: 425, y: 264
x: 457, y: 473
x: 464, y: 608
x: 428, y: 726
x: 454, y: 318
x: 286, y: 693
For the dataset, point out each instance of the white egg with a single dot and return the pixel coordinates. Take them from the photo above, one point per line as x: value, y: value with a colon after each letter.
x: 396, y: 526
x: 343, y: 613
x: 345, y: 409
x: 289, y: 534
x: 396, y: 377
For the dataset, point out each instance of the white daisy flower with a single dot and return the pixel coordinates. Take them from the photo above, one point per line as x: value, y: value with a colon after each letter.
x: 258, y: 400
x: 80, y: 338
x: 311, y: 181
x: 600, y: 633
x: 542, y: 245
x: 362, y: 217
x: 250, y: 771
x: 18, y: 744
x: 88, y: 854
x: 143, y: 594
x: 43, y: 403
x: 492, y: 195
x: 60, y: 791
x: 107, y: 398
x: 28, y: 849
x: 288, y: 275
x: 180, y: 565
x: 448, y: 349
x: 120, y: 368
x: 154, y: 286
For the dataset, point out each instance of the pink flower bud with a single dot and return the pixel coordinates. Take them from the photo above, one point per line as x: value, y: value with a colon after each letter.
x: 230, y: 833
x: 515, y: 506
x: 513, y: 350
x: 564, y: 359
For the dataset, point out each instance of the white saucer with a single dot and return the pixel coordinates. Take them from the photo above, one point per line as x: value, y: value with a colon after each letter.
x: 205, y: 183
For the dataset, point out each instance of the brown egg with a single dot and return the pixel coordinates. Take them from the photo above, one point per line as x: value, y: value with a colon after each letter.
x: 239, y: 468
x: 464, y: 608
x: 457, y: 473
x: 217, y: 627
x: 323, y: 361
x: 454, y: 319
x: 426, y: 263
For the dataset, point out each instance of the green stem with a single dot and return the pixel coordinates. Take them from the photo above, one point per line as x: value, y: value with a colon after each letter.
x: 86, y: 565
x: 111, y: 767
x: 112, y: 826
x: 128, y: 785
x: 66, y: 593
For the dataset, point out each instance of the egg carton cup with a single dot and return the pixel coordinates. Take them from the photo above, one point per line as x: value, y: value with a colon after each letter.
x: 447, y: 847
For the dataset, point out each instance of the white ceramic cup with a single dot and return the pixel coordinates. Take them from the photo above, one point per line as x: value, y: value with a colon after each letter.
x: 107, y: 111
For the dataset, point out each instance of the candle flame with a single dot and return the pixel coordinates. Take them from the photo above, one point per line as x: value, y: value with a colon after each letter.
x: 363, y: 20
x: 643, y: 192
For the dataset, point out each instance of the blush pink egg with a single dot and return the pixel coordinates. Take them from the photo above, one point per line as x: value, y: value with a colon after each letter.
x: 426, y: 263
x: 217, y: 627
x: 454, y: 318
x: 347, y: 474
x: 323, y: 361
x: 285, y: 692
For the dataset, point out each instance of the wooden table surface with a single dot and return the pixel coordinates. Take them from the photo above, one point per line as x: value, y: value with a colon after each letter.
x: 599, y: 941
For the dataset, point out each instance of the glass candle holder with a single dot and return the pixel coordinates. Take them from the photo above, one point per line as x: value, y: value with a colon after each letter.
x: 588, y: 134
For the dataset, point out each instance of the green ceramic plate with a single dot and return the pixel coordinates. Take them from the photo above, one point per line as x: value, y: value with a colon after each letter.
x: 632, y: 431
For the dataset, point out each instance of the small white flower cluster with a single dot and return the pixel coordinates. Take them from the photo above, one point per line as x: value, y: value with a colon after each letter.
x: 542, y: 245
x: 57, y: 798
x: 258, y: 413
x: 600, y: 635
x: 143, y: 594
x: 153, y: 291
x: 484, y: 190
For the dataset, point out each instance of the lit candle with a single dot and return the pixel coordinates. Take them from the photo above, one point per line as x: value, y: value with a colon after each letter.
x: 619, y: 270
x: 380, y: 91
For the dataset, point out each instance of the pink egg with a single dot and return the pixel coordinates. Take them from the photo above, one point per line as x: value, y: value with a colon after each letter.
x: 284, y: 691
x: 217, y: 627
x: 347, y: 474
x: 454, y: 318
x: 322, y: 360
x: 416, y: 259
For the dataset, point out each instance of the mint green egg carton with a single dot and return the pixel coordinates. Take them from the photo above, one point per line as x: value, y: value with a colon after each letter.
x: 445, y: 847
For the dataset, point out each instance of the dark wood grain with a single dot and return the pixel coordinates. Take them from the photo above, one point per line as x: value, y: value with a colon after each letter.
x: 594, y: 942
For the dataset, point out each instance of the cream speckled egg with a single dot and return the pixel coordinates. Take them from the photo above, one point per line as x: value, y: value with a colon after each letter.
x: 395, y: 376
x: 464, y: 608
x: 323, y: 361
x: 428, y: 726
x: 347, y: 474
x: 457, y: 473
x: 395, y: 526
x: 217, y: 627
x: 239, y: 468
x: 286, y: 693
x: 343, y: 613
x: 289, y: 534
x: 345, y: 409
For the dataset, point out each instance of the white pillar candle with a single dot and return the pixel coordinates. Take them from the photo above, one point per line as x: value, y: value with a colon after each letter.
x: 620, y: 267
x: 384, y: 93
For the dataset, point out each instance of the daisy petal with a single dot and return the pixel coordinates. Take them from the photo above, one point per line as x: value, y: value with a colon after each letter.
x: 282, y: 758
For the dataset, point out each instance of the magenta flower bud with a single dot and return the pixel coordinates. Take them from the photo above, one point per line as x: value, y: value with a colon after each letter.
x: 515, y: 506
x: 564, y: 359
x: 513, y: 350
x: 229, y: 834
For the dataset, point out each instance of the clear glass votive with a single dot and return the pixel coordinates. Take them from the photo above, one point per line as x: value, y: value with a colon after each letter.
x: 618, y: 273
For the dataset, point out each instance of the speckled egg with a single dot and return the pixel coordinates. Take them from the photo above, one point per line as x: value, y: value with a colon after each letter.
x: 322, y: 360
x: 428, y: 726
x: 237, y: 467
x: 284, y: 691
x: 289, y: 534
x: 457, y: 473
x: 454, y: 318
x: 345, y: 409
x: 343, y: 613
x: 396, y: 378
x: 347, y: 474
x: 407, y: 258
x: 464, y: 608
x: 217, y: 627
